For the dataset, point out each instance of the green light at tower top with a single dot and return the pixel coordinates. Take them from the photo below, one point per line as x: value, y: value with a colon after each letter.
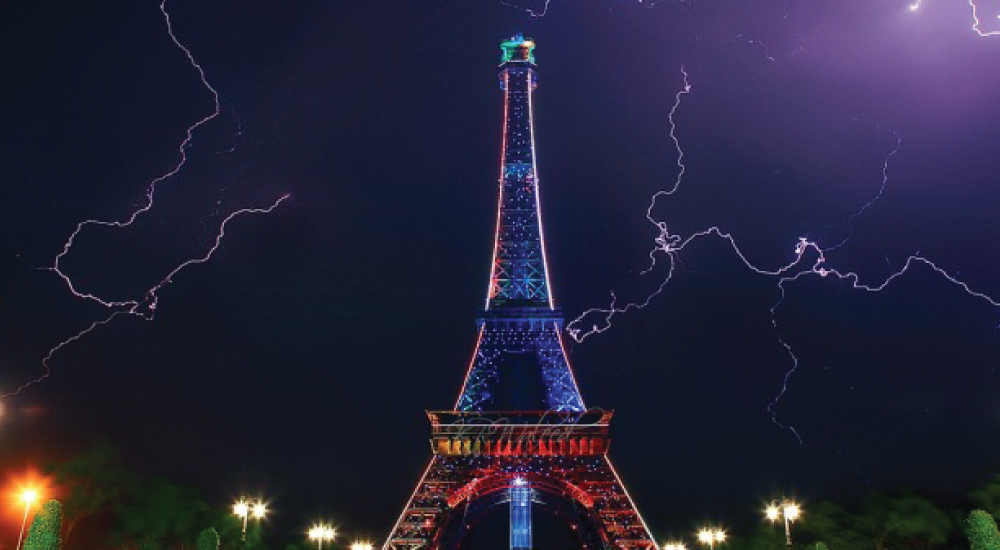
x: 518, y: 48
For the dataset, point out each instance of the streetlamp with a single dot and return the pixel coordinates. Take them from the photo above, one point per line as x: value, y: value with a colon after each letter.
x: 711, y: 536
x: 244, y: 509
x: 362, y: 545
x: 322, y: 532
x: 786, y: 510
x: 674, y: 546
x: 28, y: 496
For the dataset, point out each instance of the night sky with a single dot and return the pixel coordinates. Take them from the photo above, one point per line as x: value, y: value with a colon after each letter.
x: 299, y: 361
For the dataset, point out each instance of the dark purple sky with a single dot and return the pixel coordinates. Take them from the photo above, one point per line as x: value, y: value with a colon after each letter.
x: 301, y: 358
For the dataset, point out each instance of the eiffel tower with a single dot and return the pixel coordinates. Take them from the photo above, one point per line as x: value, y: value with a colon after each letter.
x: 519, y: 419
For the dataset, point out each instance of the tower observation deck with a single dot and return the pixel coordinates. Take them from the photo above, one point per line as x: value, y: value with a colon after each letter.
x: 519, y: 421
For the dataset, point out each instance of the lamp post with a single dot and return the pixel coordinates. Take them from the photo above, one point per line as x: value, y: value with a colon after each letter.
x: 244, y: 509
x: 322, y: 532
x: 28, y: 496
x: 710, y: 537
x: 785, y: 510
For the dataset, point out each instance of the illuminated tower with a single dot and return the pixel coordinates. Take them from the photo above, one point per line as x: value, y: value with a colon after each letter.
x: 519, y: 422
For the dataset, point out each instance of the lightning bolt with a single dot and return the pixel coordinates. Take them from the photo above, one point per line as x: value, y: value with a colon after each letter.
x: 976, y: 23
x: 545, y: 8
x: 144, y: 305
x: 818, y: 267
x: 664, y: 240
x: 764, y: 48
x: 881, y: 190
x: 532, y: 12
x: 808, y: 260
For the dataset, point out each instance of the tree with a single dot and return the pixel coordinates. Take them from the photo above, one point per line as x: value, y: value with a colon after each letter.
x: 982, y: 531
x: 766, y: 537
x: 208, y: 540
x: 44, y: 533
x: 907, y: 520
x: 158, y: 512
x: 881, y: 522
x: 230, y: 528
x: 987, y: 497
x: 831, y: 523
x: 93, y: 482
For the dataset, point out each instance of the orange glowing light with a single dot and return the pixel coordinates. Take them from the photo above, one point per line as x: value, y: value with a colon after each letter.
x: 29, y: 490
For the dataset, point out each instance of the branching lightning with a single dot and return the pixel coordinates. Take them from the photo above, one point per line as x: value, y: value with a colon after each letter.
x: 532, y: 12
x: 665, y: 242
x: 976, y: 23
x: 809, y: 259
x: 144, y: 305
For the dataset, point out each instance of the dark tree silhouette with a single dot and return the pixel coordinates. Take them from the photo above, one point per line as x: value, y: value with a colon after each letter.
x: 93, y: 482
x: 208, y: 540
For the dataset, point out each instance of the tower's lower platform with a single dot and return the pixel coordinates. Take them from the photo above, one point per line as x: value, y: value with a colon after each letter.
x: 477, y: 458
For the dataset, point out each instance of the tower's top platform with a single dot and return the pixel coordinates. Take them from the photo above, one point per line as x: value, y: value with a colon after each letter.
x: 518, y: 48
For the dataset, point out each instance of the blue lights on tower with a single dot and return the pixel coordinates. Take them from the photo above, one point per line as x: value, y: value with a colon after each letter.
x: 520, y: 515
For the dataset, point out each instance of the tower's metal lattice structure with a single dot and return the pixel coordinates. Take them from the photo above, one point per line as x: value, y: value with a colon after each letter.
x: 519, y: 415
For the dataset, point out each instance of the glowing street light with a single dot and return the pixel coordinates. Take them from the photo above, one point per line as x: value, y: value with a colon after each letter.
x: 362, y: 545
x: 674, y: 546
x: 786, y: 510
x: 28, y: 496
x: 244, y: 509
x: 710, y: 537
x: 321, y: 532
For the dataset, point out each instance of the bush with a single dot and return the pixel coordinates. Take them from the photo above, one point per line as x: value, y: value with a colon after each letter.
x: 208, y: 540
x: 982, y: 531
x: 45, y: 528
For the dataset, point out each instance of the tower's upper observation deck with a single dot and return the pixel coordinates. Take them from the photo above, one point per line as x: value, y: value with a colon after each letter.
x: 518, y: 49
